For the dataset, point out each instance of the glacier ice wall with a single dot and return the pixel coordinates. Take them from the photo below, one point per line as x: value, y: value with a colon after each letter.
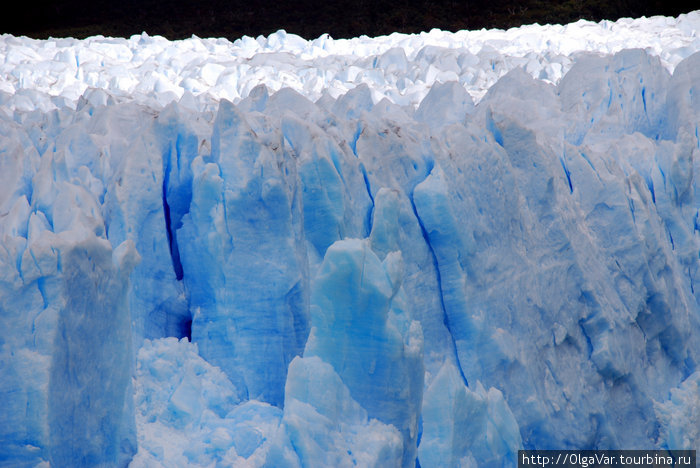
x: 346, y: 279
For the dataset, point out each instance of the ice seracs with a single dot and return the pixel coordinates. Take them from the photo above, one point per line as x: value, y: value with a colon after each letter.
x: 51, y: 73
x: 432, y: 249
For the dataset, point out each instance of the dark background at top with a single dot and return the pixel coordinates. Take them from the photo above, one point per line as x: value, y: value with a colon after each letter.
x: 177, y: 19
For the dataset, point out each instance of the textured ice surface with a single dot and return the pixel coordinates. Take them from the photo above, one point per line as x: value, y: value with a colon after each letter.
x: 189, y: 414
x: 679, y: 414
x: 437, y: 248
x: 400, y: 67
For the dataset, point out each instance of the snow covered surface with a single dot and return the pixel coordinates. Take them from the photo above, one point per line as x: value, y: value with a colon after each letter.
x: 399, y: 66
x: 273, y: 252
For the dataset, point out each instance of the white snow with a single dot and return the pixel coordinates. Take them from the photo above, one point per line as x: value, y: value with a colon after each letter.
x: 400, y: 67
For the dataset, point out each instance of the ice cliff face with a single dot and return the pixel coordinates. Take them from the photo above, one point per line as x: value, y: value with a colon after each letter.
x: 337, y: 280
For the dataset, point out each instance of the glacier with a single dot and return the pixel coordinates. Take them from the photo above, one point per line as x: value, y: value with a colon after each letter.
x: 415, y: 250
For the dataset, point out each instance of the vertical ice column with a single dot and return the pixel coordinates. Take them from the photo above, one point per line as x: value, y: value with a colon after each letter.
x: 240, y: 248
x: 361, y: 326
x: 90, y: 407
x: 444, y: 236
x: 145, y: 193
x: 66, y: 356
x: 461, y: 425
x: 325, y: 426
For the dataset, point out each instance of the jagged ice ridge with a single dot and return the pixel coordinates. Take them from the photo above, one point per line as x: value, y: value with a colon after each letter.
x: 433, y: 249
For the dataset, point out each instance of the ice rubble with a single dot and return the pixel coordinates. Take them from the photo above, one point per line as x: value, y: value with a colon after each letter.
x: 372, y: 268
x: 400, y: 67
